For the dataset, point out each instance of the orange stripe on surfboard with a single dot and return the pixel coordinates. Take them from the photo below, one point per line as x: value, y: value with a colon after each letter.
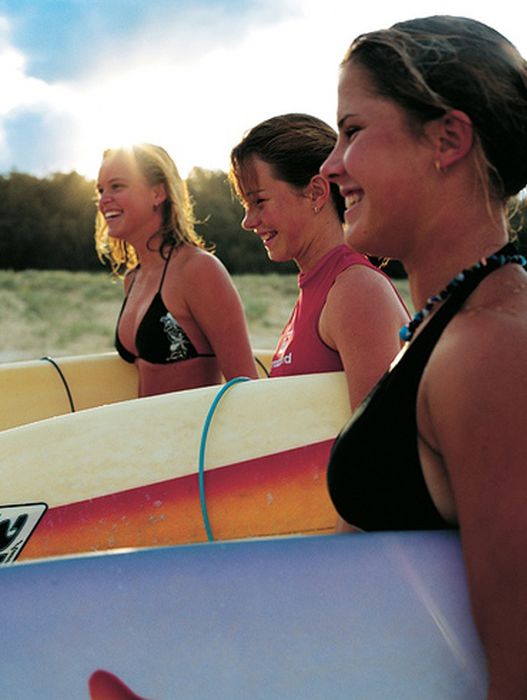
x: 278, y: 494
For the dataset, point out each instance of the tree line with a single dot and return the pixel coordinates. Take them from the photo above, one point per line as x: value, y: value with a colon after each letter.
x: 48, y: 224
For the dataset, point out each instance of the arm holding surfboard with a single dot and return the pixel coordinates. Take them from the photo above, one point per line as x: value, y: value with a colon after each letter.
x: 217, y: 307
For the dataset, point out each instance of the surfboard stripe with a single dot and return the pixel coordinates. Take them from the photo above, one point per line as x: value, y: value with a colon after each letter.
x: 282, y: 493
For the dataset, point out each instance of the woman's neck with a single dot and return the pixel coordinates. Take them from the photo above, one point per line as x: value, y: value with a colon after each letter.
x: 328, y: 234
x: 458, y: 245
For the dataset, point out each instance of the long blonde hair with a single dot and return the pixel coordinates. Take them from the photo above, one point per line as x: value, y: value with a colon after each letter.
x: 178, y: 221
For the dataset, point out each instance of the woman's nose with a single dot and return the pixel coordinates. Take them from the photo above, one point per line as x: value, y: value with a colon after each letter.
x: 331, y: 168
x: 104, y: 197
x: 249, y: 221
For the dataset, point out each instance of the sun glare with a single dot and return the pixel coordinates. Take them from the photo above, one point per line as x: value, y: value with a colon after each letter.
x: 199, y: 112
x: 195, y: 103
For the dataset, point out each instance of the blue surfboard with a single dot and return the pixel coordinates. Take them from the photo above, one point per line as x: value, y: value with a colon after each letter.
x: 364, y: 616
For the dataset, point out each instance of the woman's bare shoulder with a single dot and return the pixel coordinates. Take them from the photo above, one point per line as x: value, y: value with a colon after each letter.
x: 362, y: 290
x: 476, y: 379
x: 197, y: 261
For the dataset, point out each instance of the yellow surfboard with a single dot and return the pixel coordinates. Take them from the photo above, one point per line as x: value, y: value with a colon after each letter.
x: 38, y: 389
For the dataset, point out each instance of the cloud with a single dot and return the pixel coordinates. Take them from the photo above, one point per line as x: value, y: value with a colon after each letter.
x: 198, y: 110
x: 192, y: 79
x: 21, y: 93
x: 18, y: 90
x: 162, y: 83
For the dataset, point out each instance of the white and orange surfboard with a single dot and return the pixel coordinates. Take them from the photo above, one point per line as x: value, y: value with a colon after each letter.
x: 127, y: 474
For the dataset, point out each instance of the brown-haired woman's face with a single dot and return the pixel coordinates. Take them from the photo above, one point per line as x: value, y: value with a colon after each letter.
x: 277, y: 212
x: 381, y: 167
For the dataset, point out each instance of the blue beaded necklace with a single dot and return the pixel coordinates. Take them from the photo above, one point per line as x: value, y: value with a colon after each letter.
x: 493, y: 262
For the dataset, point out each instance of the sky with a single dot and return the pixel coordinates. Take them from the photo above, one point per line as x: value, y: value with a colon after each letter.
x: 79, y: 76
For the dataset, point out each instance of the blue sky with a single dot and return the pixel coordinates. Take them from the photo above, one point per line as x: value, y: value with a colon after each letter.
x: 78, y: 76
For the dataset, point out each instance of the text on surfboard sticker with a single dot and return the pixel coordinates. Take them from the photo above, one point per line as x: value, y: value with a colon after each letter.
x: 17, y: 522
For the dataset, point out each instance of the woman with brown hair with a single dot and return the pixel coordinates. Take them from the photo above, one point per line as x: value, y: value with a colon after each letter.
x: 432, y: 146
x: 347, y: 313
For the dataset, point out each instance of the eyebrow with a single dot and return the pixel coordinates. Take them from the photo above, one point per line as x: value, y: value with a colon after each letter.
x: 253, y: 192
x: 343, y: 119
x: 116, y: 178
x: 112, y: 180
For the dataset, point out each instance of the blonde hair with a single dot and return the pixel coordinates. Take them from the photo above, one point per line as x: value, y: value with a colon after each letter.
x: 177, y: 227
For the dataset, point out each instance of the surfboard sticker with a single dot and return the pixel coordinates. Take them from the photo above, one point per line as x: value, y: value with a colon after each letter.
x: 17, y: 524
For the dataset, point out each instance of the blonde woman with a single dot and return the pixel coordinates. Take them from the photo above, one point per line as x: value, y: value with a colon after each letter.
x: 182, y: 321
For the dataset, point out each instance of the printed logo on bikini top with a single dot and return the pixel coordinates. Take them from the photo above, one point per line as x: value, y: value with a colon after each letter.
x: 17, y: 523
x: 180, y: 345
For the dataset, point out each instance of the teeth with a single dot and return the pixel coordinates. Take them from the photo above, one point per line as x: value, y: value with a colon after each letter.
x: 353, y: 199
x: 111, y: 214
x: 267, y: 236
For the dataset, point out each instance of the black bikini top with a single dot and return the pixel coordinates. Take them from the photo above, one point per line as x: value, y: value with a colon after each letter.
x: 375, y: 478
x: 159, y: 338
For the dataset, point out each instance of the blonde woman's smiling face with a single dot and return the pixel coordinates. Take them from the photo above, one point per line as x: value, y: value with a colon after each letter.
x: 126, y: 200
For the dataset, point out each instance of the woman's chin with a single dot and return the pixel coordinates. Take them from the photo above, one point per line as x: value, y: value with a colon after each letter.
x: 352, y: 237
x: 359, y: 240
x: 276, y: 257
x: 116, y: 234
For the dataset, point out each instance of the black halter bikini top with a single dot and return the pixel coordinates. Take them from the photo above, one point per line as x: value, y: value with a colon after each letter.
x: 375, y: 478
x: 159, y: 338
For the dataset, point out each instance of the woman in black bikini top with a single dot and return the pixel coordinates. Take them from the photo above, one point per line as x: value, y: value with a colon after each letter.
x: 432, y: 145
x: 159, y: 338
x: 182, y: 321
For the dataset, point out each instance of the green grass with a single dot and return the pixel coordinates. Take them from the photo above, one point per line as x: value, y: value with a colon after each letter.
x: 71, y: 313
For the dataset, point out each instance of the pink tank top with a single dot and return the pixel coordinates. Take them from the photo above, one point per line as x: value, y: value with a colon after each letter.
x: 300, y: 349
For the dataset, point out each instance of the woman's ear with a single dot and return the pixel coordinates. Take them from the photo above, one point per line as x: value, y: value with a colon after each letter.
x: 160, y: 193
x: 453, y: 136
x: 318, y: 191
